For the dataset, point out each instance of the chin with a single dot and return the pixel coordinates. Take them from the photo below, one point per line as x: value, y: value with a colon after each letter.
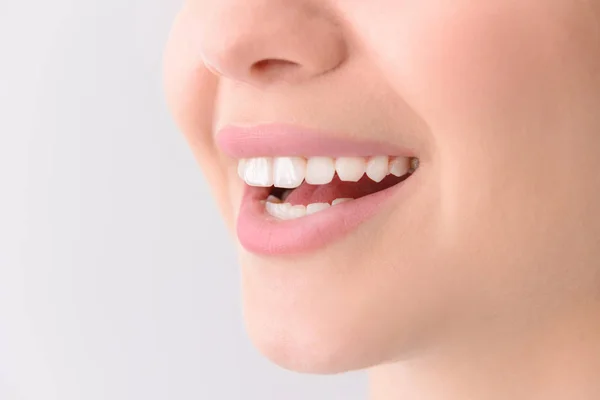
x: 321, y: 318
x: 311, y: 344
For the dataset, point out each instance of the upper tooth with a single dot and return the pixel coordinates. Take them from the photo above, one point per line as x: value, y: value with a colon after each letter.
x: 259, y: 171
x: 350, y: 168
x: 319, y: 170
x: 289, y: 172
x: 414, y: 164
x: 399, y: 166
x: 377, y: 168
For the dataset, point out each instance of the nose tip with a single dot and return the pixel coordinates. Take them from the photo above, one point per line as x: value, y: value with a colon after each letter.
x: 272, y: 41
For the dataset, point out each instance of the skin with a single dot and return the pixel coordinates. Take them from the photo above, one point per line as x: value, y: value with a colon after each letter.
x: 485, y: 281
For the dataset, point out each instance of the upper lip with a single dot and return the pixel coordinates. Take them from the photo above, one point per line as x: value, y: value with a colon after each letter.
x: 271, y: 140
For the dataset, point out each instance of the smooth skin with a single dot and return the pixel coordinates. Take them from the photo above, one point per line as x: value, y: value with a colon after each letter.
x: 484, y: 283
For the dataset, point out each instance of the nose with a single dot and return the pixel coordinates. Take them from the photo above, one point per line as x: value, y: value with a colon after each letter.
x: 264, y: 41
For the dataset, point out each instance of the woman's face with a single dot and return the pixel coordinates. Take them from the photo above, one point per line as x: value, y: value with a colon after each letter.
x: 498, y: 99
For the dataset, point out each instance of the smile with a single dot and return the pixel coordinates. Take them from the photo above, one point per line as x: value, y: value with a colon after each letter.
x: 304, y: 186
x: 295, y: 203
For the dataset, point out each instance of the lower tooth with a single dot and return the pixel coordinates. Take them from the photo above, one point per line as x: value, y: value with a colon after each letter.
x: 285, y: 211
x: 285, y: 194
x: 276, y: 210
x: 338, y: 201
x: 297, y: 212
x: 316, y: 207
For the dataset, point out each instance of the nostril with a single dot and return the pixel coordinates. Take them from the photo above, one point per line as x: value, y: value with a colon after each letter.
x: 272, y: 63
x: 271, y: 69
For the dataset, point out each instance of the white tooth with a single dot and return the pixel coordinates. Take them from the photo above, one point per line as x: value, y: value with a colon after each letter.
x: 350, y: 169
x: 241, y: 168
x: 316, y: 207
x: 285, y: 211
x: 259, y: 171
x: 297, y: 212
x: 399, y: 166
x: 278, y: 210
x: 319, y: 170
x: 273, y: 199
x: 338, y: 201
x: 289, y: 172
x: 377, y: 168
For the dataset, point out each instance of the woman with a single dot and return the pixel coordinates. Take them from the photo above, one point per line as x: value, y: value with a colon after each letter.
x: 413, y: 185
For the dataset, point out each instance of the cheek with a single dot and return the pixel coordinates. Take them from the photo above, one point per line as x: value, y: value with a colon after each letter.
x: 466, y: 64
x: 499, y: 84
x: 191, y: 91
x: 475, y: 64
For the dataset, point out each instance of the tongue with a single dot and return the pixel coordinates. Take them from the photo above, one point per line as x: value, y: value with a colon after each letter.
x: 307, y: 194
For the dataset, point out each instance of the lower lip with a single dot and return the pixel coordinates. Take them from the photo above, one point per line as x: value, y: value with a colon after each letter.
x: 260, y: 233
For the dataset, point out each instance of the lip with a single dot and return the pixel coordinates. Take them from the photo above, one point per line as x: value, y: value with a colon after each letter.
x: 289, y: 140
x: 261, y: 233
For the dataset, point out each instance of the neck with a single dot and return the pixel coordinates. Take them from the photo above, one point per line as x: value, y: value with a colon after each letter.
x: 553, y: 359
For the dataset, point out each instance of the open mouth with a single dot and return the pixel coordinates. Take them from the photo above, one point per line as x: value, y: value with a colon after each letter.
x: 299, y: 186
x: 306, y: 189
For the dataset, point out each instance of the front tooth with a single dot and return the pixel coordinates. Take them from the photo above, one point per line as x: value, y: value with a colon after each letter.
x: 342, y: 200
x: 273, y: 199
x: 377, y: 168
x: 285, y: 211
x: 350, y: 169
x: 319, y: 170
x: 288, y: 172
x: 399, y: 166
x: 316, y: 207
x: 259, y: 171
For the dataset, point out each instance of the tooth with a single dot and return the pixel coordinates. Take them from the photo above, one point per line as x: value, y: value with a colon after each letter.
x: 319, y: 170
x: 350, y: 169
x: 377, y: 168
x: 259, y: 171
x: 273, y: 199
x: 241, y: 168
x: 414, y: 165
x: 297, y: 212
x: 399, y: 166
x: 285, y: 211
x: 278, y: 210
x: 338, y: 201
x: 285, y: 194
x: 316, y: 207
x: 288, y: 172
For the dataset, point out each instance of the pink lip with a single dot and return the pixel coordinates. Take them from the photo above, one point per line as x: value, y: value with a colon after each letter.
x: 287, y: 140
x: 259, y: 232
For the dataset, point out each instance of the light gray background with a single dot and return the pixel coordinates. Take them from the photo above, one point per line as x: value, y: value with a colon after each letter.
x: 111, y: 285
